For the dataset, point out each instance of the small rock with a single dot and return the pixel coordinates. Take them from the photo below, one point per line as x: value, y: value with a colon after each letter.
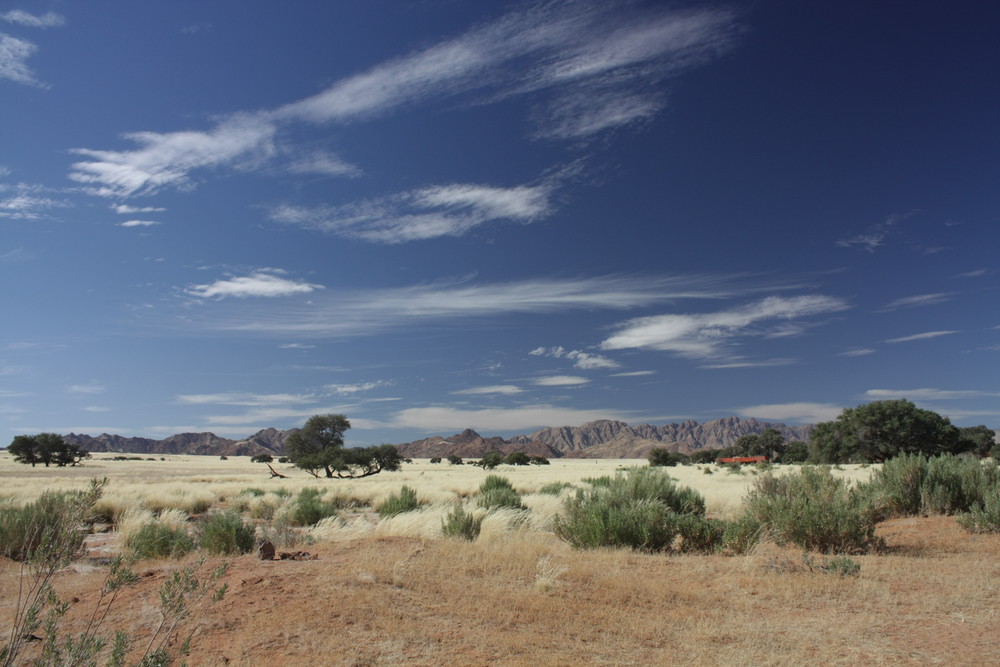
x: 265, y: 551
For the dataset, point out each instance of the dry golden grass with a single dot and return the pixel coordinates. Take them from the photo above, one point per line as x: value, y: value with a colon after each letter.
x: 394, y: 592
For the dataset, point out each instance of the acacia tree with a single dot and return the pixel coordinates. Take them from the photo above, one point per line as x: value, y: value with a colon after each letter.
x: 47, y: 448
x: 319, y: 448
x: 769, y: 443
x: 880, y: 430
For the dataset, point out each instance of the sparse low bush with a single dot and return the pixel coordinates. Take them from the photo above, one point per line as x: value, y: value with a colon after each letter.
x: 460, y: 523
x: 911, y: 484
x: 642, y: 508
x: 225, y: 533
x: 496, y: 492
x: 33, y: 527
x: 404, y: 501
x: 159, y: 540
x: 841, y: 566
x: 554, y: 488
x: 435, y: 459
x: 815, y: 511
x: 659, y: 456
x: 984, y: 517
x: 309, y: 508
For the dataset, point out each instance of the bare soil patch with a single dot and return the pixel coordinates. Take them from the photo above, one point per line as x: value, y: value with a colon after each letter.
x: 531, y: 600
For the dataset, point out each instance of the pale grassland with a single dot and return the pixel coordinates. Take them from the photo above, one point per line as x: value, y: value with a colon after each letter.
x: 140, y: 489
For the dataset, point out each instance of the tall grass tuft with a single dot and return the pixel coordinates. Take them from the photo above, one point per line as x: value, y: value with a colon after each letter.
x: 460, y: 523
x: 984, y: 517
x: 404, y: 501
x: 159, y: 540
x: 50, y: 522
x: 497, y: 492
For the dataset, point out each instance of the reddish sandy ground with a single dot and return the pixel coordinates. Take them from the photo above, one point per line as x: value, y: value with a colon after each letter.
x: 531, y: 600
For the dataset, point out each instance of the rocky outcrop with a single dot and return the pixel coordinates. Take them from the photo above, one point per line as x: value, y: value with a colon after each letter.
x: 470, y: 445
x: 268, y: 441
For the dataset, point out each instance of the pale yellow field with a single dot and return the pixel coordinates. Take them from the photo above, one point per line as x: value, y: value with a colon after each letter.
x: 192, y: 482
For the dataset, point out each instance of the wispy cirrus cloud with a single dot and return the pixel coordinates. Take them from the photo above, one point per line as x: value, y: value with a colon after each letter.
x: 927, y: 335
x: 857, y: 352
x: 706, y: 335
x: 561, y: 381
x: 21, y: 17
x: 262, y: 283
x: 918, y: 300
x: 584, y: 67
x: 139, y: 223
x: 425, y: 213
x: 342, y: 312
x: 501, y: 389
x: 245, y: 399
x: 27, y: 202
x: 582, y: 360
x: 808, y: 413
x: 496, y: 419
x: 930, y: 394
x: 875, y: 235
x: 125, y: 209
x: 359, y: 387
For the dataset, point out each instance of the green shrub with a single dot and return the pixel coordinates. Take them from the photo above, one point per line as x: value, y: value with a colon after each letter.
x: 554, y: 488
x: 984, y: 517
x: 659, y: 456
x: 912, y: 484
x: 495, y: 482
x: 459, y: 523
x: 156, y: 540
x: 602, y: 481
x: 309, y: 508
x: 500, y: 497
x: 435, y: 459
x: 52, y: 521
x: 841, y: 566
x: 815, y: 511
x: 404, y: 501
x: 741, y: 535
x: 225, y: 533
x: 642, y: 508
x: 252, y: 491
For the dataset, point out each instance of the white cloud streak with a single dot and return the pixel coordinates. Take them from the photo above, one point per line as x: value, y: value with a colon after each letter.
x: 501, y: 389
x: 339, y: 312
x: 704, y: 335
x: 561, y: 381
x: 349, y: 389
x: 586, y: 66
x: 918, y: 300
x: 809, y: 413
x: 927, y: 335
x: 929, y: 394
x: 244, y: 399
x: 582, y: 360
x: 485, y: 420
x: 139, y: 223
x: 259, y: 284
x: 21, y: 17
x: 432, y: 212
x: 14, y: 54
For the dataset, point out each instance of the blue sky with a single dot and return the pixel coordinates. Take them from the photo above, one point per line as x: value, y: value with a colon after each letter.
x: 437, y: 215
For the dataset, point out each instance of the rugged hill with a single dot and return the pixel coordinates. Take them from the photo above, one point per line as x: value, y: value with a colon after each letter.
x: 603, y: 439
x: 469, y: 444
x: 597, y: 439
x: 269, y: 441
x: 617, y: 439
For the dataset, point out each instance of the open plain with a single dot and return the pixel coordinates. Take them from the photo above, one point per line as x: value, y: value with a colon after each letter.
x: 395, y: 592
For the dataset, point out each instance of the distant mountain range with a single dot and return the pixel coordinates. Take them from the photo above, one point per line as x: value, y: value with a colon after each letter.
x: 597, y: 439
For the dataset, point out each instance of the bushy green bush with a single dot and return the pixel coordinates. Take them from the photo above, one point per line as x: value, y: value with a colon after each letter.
x: 309, y: 508
x: 157, y: 540
x: 815, y: 511
x: 741, y: 535
x: 459, y: 523
x: 912, y: 484
x: 984, y: 517
x: 38, y: 525
x: 404, y: 501
x: 225, y: 533
x: 641, y: 508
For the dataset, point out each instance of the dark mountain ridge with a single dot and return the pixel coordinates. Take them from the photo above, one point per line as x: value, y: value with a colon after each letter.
x: 602, y: 438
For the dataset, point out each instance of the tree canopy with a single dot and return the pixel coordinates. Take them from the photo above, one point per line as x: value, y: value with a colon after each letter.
x: 319, y: 448
x: 47, y: 448
x: 880, y: 430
